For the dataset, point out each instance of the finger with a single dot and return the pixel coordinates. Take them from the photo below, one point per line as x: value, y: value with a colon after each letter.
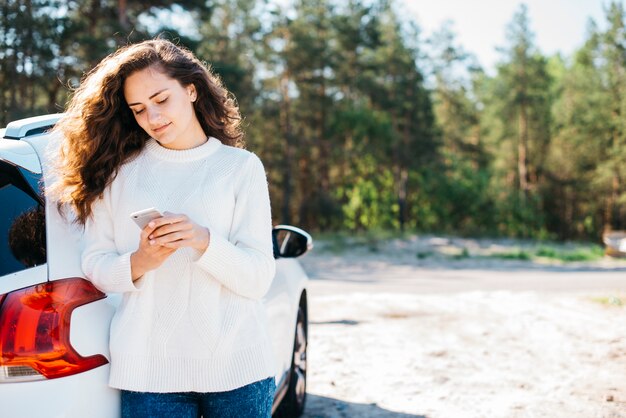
x: 170, y: 218
x: 156, y: 223
x: 174, y: 236
x: 170, y: 228
x: 146, y: 231
x: 150, y: 227
x: 160, y: 239
x: 178, y: 244
x: 152, y: 249
x: 165, y: 220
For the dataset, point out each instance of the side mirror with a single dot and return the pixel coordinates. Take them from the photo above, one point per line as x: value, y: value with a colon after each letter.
x: 290, y: 242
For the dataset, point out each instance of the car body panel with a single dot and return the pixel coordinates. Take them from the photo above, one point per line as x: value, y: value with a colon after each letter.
x: 29, y: 127
x: 22, y: 279
x: 82, y: 395
x: 20, y: 153
x: 281, y: 303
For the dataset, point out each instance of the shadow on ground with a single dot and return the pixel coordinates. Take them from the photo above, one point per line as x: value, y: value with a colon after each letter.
x: 323, y: 407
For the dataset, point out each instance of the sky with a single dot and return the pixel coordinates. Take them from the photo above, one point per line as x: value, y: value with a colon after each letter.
x: 480, y: 25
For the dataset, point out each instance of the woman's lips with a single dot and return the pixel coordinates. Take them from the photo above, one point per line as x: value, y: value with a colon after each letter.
x: 161, y: 128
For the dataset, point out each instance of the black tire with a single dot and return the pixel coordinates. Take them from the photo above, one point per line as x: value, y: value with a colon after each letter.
x: 292, y: 405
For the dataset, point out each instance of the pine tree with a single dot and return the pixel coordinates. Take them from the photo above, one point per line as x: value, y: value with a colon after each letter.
x: 517, y: 122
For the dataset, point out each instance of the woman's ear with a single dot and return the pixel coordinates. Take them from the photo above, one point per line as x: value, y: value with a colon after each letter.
x: 191, y: 90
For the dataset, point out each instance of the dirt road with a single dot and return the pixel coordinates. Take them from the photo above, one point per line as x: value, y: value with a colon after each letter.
x: 396, y: 336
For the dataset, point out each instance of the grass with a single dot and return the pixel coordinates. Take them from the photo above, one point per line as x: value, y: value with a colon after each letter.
x: 339, y: 242
x: 555, y: 252
x: 464, y: 254
x: 513, y: 255
x: 587, y: 253
x: 610, y: 300
x: 373, y: 241
x: 424, y: 254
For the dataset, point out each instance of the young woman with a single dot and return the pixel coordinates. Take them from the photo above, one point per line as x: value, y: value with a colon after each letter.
x: 152, y: 127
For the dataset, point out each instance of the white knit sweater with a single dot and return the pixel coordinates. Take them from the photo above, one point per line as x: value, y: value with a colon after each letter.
x: 196, y: 323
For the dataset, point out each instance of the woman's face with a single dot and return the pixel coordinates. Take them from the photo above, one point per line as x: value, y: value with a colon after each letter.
x: 164, y: 108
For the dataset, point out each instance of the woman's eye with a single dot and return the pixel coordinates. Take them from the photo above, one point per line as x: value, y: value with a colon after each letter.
x: 162, y: 101
x: 136, y: 112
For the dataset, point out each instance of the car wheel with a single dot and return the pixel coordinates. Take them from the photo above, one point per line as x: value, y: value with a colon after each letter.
x: 292, y: 405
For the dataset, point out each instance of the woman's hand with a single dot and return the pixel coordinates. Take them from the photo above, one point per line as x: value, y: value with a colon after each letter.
x: 148, y: 256
x: 174, y: 231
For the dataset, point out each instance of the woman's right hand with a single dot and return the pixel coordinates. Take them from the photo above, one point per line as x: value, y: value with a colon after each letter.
x: 148, y: 256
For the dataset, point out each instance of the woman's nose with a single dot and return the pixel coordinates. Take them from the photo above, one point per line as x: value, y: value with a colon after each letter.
x: 154, y: 116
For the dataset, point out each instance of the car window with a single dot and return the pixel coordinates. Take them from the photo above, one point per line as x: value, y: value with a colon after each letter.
x: 22, y: 220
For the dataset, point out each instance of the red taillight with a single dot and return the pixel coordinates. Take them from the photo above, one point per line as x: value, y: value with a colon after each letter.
x: 35, y: 330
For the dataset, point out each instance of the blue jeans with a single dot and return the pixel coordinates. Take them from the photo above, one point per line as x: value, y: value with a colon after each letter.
x: 250, y: 401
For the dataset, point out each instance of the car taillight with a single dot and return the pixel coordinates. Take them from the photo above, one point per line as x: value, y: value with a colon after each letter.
x: 35, y: 331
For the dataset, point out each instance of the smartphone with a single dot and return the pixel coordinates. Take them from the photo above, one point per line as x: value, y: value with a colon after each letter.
x: 143, y: 217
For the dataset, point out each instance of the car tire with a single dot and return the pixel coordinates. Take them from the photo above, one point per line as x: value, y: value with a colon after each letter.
x: 292, y: 405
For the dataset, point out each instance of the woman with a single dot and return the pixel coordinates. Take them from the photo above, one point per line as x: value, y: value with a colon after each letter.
x: 151, y: 126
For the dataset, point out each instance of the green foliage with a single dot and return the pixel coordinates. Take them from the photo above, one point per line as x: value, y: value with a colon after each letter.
x: 614, y: 301
x: 340, y: 241
x: 516, y: 125
x: 514, y: 255
x: 577, y: 254
x: 462, y: 255
x: 555, y: 252
x: 362, y: 123
x: 369, y: 200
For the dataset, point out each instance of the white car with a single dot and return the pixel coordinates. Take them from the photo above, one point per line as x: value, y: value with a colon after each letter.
x: 54, y: 324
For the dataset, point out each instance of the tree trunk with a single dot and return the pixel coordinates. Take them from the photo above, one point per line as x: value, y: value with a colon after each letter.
x: 324, y: 143
x: 306, y: 189
x: 522, y: 151
x: 122, y: 15
x: 53, y: 90
x: 402, y: 195
x: 610, y: 205
x: 285, y: 123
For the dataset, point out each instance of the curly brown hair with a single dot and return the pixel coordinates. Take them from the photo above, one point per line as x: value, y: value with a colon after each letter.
x: 99, y: 132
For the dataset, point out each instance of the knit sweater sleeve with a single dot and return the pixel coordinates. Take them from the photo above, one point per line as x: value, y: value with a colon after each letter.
x: 244, y: 261
x: 107, y: 269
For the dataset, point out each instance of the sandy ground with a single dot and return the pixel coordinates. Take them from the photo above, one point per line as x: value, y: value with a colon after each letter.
x: 395, y: 335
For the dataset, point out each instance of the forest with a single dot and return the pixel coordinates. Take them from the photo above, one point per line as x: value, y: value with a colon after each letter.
x: 362, y: 122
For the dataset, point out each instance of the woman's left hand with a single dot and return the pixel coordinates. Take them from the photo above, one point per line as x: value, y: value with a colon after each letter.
x: 177, y: 231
